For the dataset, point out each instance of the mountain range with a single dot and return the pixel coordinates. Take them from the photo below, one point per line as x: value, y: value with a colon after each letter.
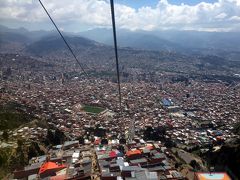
x: 180, y: 41
x: 225, y: 44
x: 144, y: 50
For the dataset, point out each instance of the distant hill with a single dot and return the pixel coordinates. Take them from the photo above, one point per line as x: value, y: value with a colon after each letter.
x: 96, y: 54
x: 23, y: 62
x: 30, y: 35
x: 12, y: 42
x: 7, y: 37
x: 188, y: 42
x: 138, y: 40
x: 51, y: 44
x: 147, y: 42
x: 224, y: 44
x: 145, y: 50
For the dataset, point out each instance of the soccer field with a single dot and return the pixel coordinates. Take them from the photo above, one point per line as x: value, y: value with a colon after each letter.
x: 92, y: 109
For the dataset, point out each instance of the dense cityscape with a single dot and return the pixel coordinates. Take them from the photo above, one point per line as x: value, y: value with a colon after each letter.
x: 156, y: 99
x: 162, y: 128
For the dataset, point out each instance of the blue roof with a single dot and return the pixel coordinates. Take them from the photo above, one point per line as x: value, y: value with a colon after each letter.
x: 166, y: 102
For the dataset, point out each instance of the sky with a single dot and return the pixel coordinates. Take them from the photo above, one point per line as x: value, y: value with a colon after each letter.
x: 147, y: 15
x: 153, y: 3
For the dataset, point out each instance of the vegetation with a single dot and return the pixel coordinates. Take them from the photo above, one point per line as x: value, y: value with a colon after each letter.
x: 195, y: 165
x: 5, y: 135
x: 156, y: 134
x: 96, y: 131
x: 227, y: 158
x: 11, y: 116
x: 81, y: 140
x: 11, y: 158
x: 92, y: 109
x: 5, y: 153
x: 54, y: 137
x: 236, y: 129
x: 11, y: 120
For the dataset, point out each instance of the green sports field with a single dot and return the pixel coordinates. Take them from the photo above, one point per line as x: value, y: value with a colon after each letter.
x: 92, y: 109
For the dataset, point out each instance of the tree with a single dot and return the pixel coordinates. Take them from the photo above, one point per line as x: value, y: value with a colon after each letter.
x: 236, y: 129
x: 18, y: 160
x: 81, y: 140
x: 104, y: 142
x: 169, y: 143
x: 32, y: 152
x: 156, y: 134
x: 20, y: 144
x: 54, y: 137
x: 148, y: 133
x: 100, y: 132
x: 122, y: 141
x: 50, y: 137
x: 177, y: 165
x: 5, y: 135
x: 121, y: 149
x: 195, y: 164
x: 58, y: 137
x: 3, y: 157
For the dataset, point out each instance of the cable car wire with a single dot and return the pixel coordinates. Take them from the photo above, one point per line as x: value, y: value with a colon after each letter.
x: 116, y: 53
x: 70, y: 49
x: 115, y: 47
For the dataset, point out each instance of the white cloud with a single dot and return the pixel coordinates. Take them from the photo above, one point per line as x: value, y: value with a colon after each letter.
x: 223, y: 15
x: 235, y: 18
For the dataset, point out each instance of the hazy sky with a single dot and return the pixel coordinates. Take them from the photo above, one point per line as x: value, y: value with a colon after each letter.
x: 79, y: 15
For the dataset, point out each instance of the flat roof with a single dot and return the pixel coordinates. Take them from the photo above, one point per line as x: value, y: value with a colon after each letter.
x: 213, y: 176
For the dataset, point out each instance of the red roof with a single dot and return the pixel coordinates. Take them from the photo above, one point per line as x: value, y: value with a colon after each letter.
x: 50, y: 166
x: 97, y: 142
x: 113, y: 154
x: 149, y: 147
x: 133, y: 152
